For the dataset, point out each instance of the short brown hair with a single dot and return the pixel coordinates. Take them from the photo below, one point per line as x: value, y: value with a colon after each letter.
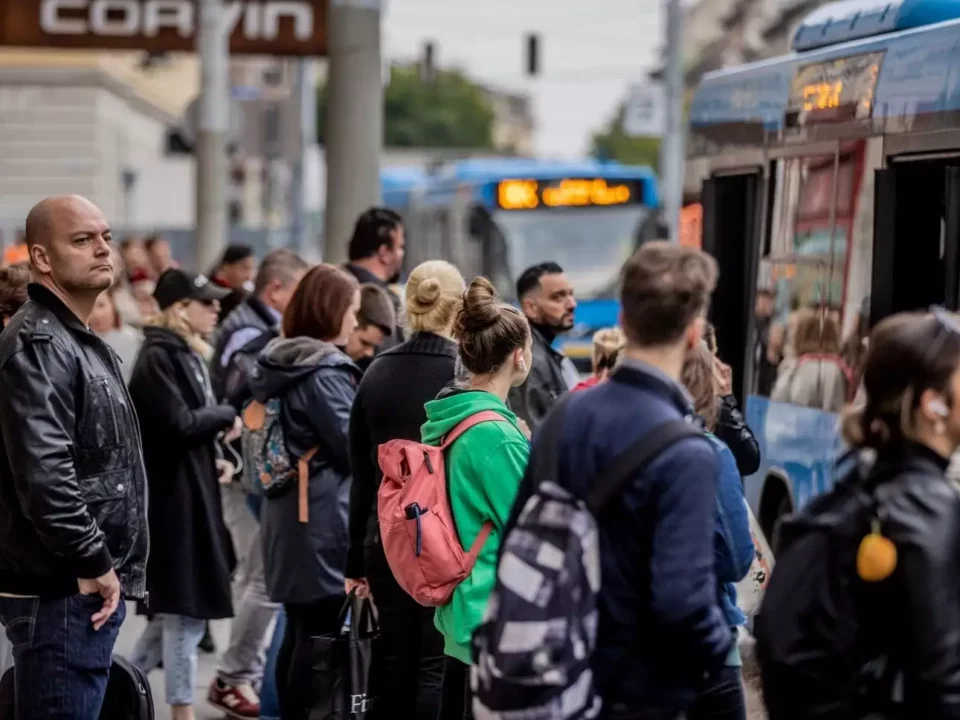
x: 487, y: 329
x: 320, y: 303
x: 281, y: 264
x: 13, y: 288
x: 665, y: 288
x: 376, y: 308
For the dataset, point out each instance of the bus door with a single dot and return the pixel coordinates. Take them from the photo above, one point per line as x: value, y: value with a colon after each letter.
x: 730, y: 217
x: 916, y: 249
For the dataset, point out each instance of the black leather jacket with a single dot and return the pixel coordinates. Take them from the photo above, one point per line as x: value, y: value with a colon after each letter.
x: 543, y: 386
x: 732, y: 429
x: 914, y: 617
x: 72, y: 481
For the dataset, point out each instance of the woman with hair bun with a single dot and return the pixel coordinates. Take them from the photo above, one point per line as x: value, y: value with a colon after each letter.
x: 484, y: 466
x: 607, y: 345
x: 390, y: 405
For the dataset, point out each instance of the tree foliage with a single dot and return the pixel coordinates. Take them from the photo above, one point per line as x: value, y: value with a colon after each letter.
x: 449, y: 112
x: 613, y: 143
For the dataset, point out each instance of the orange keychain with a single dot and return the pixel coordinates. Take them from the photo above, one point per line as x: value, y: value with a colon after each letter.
x: 877, y: 555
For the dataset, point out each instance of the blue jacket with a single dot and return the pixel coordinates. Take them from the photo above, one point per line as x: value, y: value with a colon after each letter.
x: 733, y: 546
x: 661, y: 627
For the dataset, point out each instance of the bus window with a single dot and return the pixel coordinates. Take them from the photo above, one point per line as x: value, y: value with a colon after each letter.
x: 800, y: 348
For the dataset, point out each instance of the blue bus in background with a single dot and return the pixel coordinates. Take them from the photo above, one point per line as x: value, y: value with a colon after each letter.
x: 830, y: 183
x: 496, y: 217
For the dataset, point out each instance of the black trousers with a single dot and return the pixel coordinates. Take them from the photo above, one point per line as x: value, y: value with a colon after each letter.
x: 722, y: 699
x: 456, y: 702
x: 294, y: 660
x: 408, y: 667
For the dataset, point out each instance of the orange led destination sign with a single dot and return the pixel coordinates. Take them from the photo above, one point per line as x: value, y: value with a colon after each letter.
x: 570, y: 192
x: 836, y: 90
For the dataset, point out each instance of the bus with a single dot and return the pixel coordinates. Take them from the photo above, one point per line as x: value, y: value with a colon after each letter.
x: 498, y: 216
x: 829, y: 181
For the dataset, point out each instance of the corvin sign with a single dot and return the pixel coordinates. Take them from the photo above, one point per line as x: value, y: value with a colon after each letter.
x: 263, y: 27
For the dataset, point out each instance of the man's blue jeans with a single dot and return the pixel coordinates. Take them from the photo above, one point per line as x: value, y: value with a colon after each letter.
x: 62, y: 664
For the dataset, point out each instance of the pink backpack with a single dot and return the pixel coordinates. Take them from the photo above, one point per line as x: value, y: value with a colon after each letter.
x: 416, y: 523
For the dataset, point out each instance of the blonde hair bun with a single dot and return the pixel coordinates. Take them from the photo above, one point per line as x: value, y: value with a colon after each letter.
x: 433, y: 295
x: 428, y: 292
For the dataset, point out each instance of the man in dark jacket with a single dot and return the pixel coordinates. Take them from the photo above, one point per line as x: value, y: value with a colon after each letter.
x: 73, y: 527
x: 376, y: 321
x: 661, y: 632
x: 376, y: 256
x: 546, y: 296
x: 253, y: 323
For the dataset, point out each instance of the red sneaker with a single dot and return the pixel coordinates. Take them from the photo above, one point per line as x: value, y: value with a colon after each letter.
x: 237, y: 701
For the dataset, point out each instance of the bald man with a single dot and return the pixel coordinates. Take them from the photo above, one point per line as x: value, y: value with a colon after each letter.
x: 73, y: 525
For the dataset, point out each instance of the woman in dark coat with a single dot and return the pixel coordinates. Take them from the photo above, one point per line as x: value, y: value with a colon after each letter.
x: 409, y: 665
x: 304, y: 555
x: 191, y: 555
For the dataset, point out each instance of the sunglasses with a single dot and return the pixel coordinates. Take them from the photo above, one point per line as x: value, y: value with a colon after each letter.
x: 947, y: 325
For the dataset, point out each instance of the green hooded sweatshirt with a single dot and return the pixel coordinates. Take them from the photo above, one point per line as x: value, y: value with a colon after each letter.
x: 484, y: 468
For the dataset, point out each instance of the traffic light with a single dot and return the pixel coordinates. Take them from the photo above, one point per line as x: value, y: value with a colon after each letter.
x: 428, y: 71
x: 533, y: 54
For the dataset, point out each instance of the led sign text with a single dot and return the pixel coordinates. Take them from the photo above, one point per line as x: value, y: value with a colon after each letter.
x: 530, y: 194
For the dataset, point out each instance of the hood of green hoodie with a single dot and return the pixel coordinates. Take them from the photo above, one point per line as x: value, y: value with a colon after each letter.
x: 453, y: 407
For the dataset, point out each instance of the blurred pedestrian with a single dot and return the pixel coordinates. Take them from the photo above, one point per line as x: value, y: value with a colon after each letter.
x: 243, y: 334
x: 238, y: 343
x: 390, y: 405
x: 547, y: 299
x: 191, y: 555
x: 607, y: 346
x: 483, y: 468
x: 13, y: 290
x: 159, y: 254
x: 376, y: 321
x: 235, y: 272
x: 73, y: 533
x: 305, y: 525
x: 125, y: 340
x: 376, y: 252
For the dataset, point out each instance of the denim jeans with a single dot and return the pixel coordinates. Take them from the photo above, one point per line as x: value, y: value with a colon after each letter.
x: 456, y: 699
x: 269, y: 702
x: 722, y: 699
x: 173, y: 639
x: 62, y: 663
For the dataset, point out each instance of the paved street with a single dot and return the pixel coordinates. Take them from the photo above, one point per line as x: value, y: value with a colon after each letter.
x: 132, y: 627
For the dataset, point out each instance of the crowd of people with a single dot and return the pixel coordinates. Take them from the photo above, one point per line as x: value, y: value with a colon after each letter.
x: 209, y: 447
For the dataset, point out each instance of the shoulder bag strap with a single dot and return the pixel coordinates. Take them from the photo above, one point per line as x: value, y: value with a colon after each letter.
x: 635, y: 460
x: 472, y: 421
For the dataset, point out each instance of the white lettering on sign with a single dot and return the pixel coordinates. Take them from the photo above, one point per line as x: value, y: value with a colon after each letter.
x: 126, y: 18
x: 360, y: 703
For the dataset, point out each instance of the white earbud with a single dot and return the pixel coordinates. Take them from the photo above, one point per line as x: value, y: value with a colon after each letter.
x: 523, y: 365
x: 938, y: 408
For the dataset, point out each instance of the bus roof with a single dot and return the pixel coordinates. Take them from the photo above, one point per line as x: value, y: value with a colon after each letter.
x: 917, y: 76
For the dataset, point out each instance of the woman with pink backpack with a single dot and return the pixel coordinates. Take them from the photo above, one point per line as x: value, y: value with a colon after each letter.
x: 483, y: 467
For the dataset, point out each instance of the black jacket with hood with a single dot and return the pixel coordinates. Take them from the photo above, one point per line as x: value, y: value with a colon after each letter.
x: 317, y: 384
x: 192, y: 555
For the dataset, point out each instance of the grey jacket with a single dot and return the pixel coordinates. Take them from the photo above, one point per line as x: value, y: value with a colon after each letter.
x: 317, y: 384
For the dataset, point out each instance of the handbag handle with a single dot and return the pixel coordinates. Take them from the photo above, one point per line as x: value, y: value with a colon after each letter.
x: 363, y: 620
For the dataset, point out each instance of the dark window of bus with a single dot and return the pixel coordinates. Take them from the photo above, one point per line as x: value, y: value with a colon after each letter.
x: 798, y: 348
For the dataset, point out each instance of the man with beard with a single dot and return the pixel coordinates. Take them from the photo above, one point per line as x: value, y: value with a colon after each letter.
x: 546, y: 297
x: 376, y: 256
x: 73, y: 528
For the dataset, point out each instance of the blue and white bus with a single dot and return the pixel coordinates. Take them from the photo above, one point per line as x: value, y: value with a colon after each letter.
x: 496, y: 217
x: 829, y: 178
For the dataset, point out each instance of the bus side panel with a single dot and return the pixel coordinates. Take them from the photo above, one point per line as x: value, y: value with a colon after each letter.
x: 796, y: 442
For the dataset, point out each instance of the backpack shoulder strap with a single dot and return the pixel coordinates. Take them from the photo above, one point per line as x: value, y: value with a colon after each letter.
x: 472, y: 421
x: 635, y: 460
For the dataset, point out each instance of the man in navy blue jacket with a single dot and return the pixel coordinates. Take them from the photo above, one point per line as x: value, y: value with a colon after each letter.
x: 661, y: 630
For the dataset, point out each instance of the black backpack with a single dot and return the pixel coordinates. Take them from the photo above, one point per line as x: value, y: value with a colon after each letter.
x: 808, y: 628
x: 128, y: 695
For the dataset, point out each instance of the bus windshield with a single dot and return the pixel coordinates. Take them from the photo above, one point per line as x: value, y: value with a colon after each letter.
x: 590, y: 244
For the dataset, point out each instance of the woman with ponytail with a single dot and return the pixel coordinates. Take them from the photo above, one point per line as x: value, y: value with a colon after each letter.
x: 390, y: 405
x: 607, y: 345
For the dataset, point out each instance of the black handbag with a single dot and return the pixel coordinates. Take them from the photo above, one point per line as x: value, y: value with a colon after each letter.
x: 342, y: 663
